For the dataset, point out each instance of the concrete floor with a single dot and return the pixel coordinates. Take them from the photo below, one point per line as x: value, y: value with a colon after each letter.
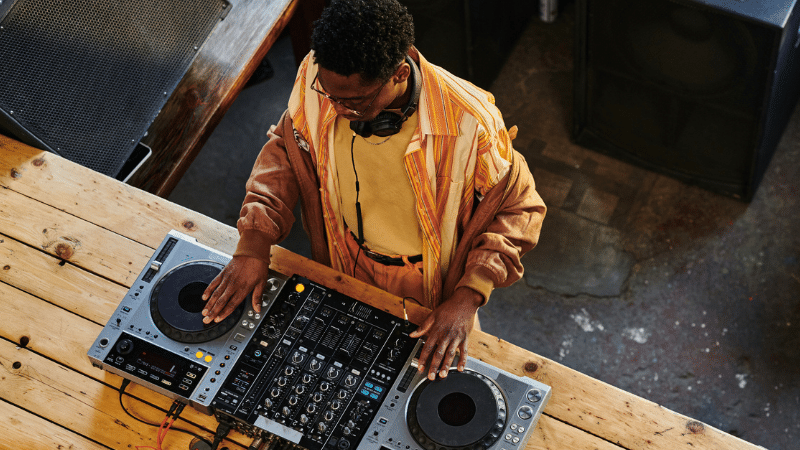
x: 676, y: 294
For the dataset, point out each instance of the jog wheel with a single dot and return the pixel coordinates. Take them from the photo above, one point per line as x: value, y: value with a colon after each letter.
x: 176, y: 303
x: 464, y: 411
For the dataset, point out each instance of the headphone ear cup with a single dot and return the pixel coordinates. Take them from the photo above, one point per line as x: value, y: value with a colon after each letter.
x: 386, y: 124
x: 362, y: 129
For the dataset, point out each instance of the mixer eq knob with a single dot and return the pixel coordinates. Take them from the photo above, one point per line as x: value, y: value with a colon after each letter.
x: 282, y: 381
x: 332, y: 373
x: 307, y: 378
x: 318, y: 397
x: 297, y: 357
x: 336, y: 404
x: 324, y: 386
x: 293, y: 400
x: 300, y: 389
x: 314, y: 365
x: 289, y: 371
x: 275, y: 392
x: 350, y: 380
x: 328, y: 416
x: 311, y: 408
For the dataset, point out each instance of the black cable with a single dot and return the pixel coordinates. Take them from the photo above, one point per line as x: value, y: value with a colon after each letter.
x: 176, y: 408
x: 405, y: 313
x: 222, y: 430
x: 359, y: 219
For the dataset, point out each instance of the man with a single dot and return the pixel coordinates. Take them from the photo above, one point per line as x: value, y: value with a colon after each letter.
x: 406, y: 176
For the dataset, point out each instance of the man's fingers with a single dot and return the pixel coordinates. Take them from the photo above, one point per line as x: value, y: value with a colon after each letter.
x: 231, y: 306
x: 462, y: 358
x: 444, y: 368
x: 436, y: 359
x: 220, y: 299
x: 258, y: 291
x: 422, y: 330
x: 212, y: 286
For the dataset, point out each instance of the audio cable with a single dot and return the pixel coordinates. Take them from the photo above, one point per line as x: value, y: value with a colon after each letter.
x: 359, y: 219
x: 174, y: 412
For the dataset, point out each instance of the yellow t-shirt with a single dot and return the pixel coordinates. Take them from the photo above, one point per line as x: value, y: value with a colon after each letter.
x: 387, y: 199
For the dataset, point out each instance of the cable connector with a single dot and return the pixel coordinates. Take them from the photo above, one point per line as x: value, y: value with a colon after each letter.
x: 222, y: 430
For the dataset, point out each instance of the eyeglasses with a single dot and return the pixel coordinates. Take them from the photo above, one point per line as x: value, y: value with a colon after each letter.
x: 341, y: 102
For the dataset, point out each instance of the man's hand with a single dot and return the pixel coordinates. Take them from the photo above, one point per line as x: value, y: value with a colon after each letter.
x: 242, y: 275
x: 446, y: 330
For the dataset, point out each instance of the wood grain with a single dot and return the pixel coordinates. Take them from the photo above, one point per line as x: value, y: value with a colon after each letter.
x: 222, y: 67
x: 20, y: 429
x: 591, y: 411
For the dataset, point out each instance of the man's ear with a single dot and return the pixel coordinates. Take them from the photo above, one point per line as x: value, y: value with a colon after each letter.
x: 402, y: 73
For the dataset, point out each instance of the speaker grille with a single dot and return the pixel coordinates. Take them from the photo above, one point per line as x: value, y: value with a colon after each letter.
x: 87, y: 77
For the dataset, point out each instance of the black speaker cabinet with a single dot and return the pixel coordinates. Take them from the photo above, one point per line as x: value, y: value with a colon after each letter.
x: 470, y: 38
x: 85, y: 78
x: 699, y: 90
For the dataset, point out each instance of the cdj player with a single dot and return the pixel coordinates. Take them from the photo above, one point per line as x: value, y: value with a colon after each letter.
x: 157, y: 338
x: 315, y: 370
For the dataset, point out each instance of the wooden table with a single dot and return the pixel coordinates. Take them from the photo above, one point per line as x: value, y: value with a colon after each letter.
x: 72, y: 242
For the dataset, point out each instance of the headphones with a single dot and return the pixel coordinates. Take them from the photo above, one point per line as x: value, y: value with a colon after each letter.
x: 388, y: 123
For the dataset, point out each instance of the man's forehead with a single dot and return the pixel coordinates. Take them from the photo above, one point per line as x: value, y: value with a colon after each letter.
x: 354, y: 83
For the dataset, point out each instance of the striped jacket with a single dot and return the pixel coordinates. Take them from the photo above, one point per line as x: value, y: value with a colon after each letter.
x: 458, y: 155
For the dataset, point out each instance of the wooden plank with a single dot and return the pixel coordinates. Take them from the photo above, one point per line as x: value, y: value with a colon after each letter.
x: 115, y: 206
x: 604, y: 410
x: 72, y: 239
x: 73, y: 288
x: 23, y: 430
x: 221, y: 69
x: 61, y: 395
x: 64, y: 338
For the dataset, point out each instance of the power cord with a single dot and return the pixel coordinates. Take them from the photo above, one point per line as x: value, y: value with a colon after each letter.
x: 175, y: 410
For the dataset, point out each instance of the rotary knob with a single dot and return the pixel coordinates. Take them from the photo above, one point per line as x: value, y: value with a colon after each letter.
x: 324, y: 386
x: 275, y: 392
x: 314, y: 365
x: 303, y: 419
x: 332, y: 373
x: 342, y: 393
x: 307, y: 378
x: 311, y: 408
x: 318, y: 397
x: 328, y: 416
x: 350, y: 380
x: 282, y: 381
x: 321, y: 427
x: 286, y: 411
x: 297, y: 357
x: 289, y: 371
x: 534, y: 396
x: 300, y: 389
x: 268, y: 403
x: 292, y: 400
x: 336, y: 404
